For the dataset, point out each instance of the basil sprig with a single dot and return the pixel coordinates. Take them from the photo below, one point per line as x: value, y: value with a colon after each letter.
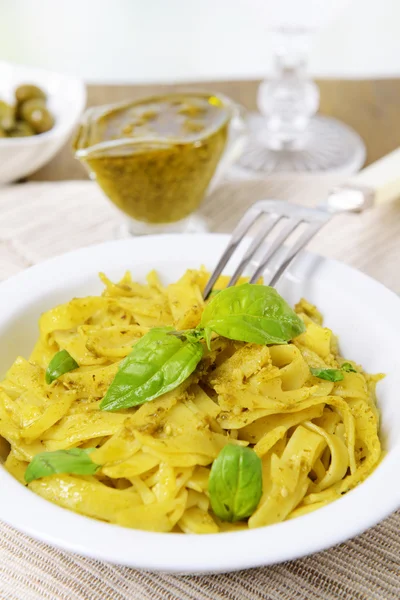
x: 61, y: 363
x: 75, y: 460
x: 251, y: 313
x: 235, y: 484
x: 327, y: 374
x: 164, y: 358
x: 157, y: 364
x: 348, y: 368
x: 333, y: 374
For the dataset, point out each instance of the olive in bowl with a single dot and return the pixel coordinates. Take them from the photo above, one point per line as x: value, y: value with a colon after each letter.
x: 29, y: 115
x: 30, y: 137
x: 35, y: 113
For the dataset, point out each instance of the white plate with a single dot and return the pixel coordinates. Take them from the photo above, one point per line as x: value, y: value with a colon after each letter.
x: 364, y: 314
x: 66, y: 98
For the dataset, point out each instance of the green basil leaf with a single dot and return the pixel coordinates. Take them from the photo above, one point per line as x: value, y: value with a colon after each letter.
x: 348, y: 368
x: 61, y: 363
x: 158, y: 363
x: 75, y: 460
x: 252, y: 313
x: 235, y: 484
x: 327, y: 374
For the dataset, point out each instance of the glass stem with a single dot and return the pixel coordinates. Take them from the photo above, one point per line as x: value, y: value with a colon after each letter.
x: 289, y: 99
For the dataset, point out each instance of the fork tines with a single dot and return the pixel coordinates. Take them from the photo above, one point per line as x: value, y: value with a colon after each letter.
x: 277, y: 217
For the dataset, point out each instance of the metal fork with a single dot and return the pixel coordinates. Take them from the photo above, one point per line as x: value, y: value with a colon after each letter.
x: 377, y: 184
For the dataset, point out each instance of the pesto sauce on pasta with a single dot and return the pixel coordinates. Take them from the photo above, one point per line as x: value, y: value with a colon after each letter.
x: 316, y: 439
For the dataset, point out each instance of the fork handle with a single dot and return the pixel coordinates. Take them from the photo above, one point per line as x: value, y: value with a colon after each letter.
x: 375, y: 185
x: 382, y: 177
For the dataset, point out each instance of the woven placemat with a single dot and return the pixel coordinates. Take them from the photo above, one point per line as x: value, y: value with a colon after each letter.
x: 41, y: 220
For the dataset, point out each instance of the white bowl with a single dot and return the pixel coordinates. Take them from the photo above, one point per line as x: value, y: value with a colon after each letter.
x: 366, y: 316
x: 19, y: 157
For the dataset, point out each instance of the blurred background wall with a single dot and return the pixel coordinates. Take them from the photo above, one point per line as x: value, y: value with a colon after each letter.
x: 183, y: 40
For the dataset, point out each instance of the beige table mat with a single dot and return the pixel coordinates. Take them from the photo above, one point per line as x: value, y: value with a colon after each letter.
x: 44, y: 219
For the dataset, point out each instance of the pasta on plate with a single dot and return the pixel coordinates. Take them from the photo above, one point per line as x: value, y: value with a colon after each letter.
x: 308, y: 416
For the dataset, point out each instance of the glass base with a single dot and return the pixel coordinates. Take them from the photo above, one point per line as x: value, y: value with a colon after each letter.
x: 329, y: 146
x: 192, y: 224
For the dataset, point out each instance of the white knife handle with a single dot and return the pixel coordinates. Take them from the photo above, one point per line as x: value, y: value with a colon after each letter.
x: 382, y: 178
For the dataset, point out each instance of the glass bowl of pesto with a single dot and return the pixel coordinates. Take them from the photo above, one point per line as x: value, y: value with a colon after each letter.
x: 155, y: 158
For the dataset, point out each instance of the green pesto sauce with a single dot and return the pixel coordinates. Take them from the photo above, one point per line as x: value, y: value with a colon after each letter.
x: 155, y: 158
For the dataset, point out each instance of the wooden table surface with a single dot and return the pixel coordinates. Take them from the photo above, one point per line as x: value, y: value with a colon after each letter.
x: 371, y: 107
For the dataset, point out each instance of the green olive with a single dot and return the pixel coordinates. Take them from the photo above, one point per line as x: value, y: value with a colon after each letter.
x: 26, y: 108
x: 7, y: 116
x: 27, y: 92
x: 21, y: 129
x: 38, y: 102
x: 37, y: 115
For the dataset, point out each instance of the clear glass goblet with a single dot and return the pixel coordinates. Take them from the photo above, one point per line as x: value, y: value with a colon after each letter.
x: 287, y: 135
